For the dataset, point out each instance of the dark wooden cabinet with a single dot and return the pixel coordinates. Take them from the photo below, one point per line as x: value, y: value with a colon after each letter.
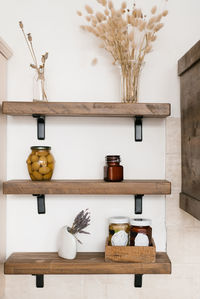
x: 189, y: 72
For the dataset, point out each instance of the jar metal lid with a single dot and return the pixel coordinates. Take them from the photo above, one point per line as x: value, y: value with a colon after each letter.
x: 140, y: 222
x: 118, y: 220
x: 113, y: 158
x: 40, y: 147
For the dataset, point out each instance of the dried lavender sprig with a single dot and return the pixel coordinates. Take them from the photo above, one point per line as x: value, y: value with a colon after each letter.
x: 81, y: 221
x: 81, y: 225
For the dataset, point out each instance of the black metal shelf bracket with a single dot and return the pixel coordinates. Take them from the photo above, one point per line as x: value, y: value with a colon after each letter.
x: 40, y: 126
x: 40, y: 203
x: 138, y: 128
x: 138, y: 203
x: 138, y: 280
x: 39, y: 280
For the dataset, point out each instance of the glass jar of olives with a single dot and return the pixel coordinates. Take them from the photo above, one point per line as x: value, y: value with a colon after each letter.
x: 40, y: 163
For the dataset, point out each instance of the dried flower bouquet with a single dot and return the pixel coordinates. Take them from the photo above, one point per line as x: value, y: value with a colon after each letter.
x: 40, y: 79
x: 127, y: 34
x: 81, y: 221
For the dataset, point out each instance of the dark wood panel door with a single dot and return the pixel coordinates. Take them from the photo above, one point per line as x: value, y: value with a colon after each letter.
x: 189, y: 71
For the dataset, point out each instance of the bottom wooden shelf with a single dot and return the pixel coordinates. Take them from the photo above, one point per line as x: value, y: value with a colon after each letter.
x: 85, y: 263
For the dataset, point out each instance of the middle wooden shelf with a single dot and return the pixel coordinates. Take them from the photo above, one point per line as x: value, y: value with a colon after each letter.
x: 126, y: 187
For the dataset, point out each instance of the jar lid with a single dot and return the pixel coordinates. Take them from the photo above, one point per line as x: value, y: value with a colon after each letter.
x: 118, y: 219
x: 113, y: 158
x: 40, y: 147
x: 140, y: 222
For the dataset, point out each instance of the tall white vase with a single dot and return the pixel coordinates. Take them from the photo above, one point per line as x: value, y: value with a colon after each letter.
x: 68, y: 244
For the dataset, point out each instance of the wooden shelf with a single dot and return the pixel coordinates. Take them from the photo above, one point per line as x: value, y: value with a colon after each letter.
x: 85, y: 263
x: 87, y: 187
x: 87, y: 109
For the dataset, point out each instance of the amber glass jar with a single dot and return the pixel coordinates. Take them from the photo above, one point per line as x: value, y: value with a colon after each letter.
x: 118, y: 231
x: 40, y: 163
x: 140, y: 232
x: 113, y: 171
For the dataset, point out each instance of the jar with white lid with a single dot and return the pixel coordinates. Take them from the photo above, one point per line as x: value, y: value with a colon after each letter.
x: 140, y: 232
x: 118, y: 231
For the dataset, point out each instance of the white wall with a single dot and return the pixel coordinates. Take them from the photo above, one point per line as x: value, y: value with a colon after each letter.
x: 80, y: 144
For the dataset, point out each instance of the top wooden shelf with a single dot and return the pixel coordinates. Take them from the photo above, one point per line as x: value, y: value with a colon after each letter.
x: 156, y: 110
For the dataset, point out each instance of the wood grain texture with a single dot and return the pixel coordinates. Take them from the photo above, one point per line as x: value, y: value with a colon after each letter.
x: 189, y: 59
x: 87, y: 109
x: 85, y: 263
x: 135, y: 254
x: 87, y: 187
x: 190, y: 134
x: 190, y: 205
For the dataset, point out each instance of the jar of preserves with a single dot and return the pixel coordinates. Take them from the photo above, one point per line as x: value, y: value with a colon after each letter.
x: 40, y: 163
x: 140, y: 232
x: 118, y: 231
x: 113, y: 171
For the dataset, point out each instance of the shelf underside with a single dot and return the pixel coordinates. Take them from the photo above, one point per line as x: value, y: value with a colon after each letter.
x: 87, y: 109
x: 126, y: 187
x: 85, y: 263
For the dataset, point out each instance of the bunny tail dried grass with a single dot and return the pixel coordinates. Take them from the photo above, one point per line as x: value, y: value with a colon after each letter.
x: 126, y: 33
x: 88, y: 9
x: 94, y: 61
x: 79, y: 13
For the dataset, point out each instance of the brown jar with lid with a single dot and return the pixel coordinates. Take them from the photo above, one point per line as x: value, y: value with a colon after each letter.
x: 113, y: 171
x: 140, y: 232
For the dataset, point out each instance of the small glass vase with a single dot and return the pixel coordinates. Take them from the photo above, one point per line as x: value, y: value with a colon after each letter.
x: 39, y: 87
x: 130, y: 73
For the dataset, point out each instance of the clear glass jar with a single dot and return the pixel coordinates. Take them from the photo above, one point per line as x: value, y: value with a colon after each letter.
x: 40, y: 163
x: 113, y: 171
x: 140, y: 232
x: 118, y: 231
x: 130, y: 74
x: 39, y: 87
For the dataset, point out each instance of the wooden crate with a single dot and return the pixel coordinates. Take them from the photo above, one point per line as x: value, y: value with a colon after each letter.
x: 135, y: 254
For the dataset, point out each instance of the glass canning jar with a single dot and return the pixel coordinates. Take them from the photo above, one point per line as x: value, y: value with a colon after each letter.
x: 40, y: 163
x: 118, y: 231
x: 140, y: 232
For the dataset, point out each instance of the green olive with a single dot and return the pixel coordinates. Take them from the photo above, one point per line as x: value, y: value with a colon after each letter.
x: 48, y: 176
x: 50, y: 158
x: 51, y: 166
x: 43, y: 161
x: 44, y: 170
x: 29, y: 168
x: 35, y: 166
x: 42, y: 153
x: 37, y: 176
x: 34, y: 158
x: 28, y: 161
x: 33, y: 178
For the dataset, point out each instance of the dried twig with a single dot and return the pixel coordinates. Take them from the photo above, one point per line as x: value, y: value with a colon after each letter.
x: 39, y: 68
